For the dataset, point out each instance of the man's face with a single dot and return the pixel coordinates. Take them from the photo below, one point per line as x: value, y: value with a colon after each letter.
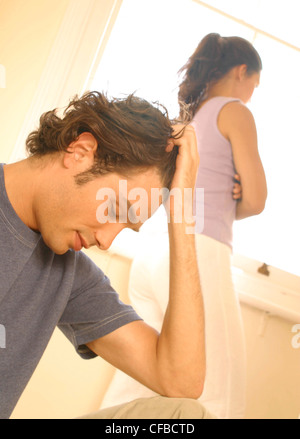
x: 95, y: 212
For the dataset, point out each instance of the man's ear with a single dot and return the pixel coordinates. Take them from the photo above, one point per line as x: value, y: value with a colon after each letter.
x: 80, y: 153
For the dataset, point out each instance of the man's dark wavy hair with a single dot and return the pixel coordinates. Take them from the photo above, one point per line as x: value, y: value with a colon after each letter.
x: 131, y: 133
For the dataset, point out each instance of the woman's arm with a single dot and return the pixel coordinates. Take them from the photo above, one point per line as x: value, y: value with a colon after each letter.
x: 237, y: 124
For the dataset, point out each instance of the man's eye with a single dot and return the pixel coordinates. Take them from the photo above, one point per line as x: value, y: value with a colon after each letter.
x: 112, y: 210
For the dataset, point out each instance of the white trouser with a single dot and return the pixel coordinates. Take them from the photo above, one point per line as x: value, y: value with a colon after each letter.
x: 225, y: 385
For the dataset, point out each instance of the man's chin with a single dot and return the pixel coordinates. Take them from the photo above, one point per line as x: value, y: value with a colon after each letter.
x: 57, y: 249
x: 61, y: 252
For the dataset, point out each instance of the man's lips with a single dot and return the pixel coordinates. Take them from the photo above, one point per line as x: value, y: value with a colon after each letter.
x: 79, y: 242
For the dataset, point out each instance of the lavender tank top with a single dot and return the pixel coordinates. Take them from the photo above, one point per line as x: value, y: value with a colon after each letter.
x: 215, y: 175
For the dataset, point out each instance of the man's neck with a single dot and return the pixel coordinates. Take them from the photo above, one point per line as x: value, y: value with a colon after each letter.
x: 21, y: 183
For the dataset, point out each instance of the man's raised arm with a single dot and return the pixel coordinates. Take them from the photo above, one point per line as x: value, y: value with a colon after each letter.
x: 171, y: 363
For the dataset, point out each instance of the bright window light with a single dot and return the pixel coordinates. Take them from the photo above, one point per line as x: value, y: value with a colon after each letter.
x: 150, y: 42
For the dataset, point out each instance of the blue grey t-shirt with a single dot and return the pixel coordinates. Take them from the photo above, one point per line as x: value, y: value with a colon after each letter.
x: 40, y: 290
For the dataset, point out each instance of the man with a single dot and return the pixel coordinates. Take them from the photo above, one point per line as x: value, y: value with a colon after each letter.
x: 48, y: 212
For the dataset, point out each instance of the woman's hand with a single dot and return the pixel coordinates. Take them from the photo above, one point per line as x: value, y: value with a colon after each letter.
x: 237, y: 191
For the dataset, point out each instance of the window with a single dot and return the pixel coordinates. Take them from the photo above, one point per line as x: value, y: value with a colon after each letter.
x: 150, y: 42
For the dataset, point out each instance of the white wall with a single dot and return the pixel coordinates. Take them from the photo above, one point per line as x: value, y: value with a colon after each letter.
x: 27, y: 33
x: 273, y: 390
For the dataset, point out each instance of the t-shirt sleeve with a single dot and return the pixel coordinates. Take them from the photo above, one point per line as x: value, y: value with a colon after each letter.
x: 94, y: 308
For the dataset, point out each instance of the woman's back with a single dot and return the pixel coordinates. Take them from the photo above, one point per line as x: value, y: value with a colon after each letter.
x: 216, y: 172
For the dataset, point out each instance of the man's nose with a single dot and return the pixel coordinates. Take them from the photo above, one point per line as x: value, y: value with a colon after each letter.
x: 107, y: 234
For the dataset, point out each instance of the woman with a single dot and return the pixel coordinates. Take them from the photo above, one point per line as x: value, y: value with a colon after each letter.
x: 219, y: 79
